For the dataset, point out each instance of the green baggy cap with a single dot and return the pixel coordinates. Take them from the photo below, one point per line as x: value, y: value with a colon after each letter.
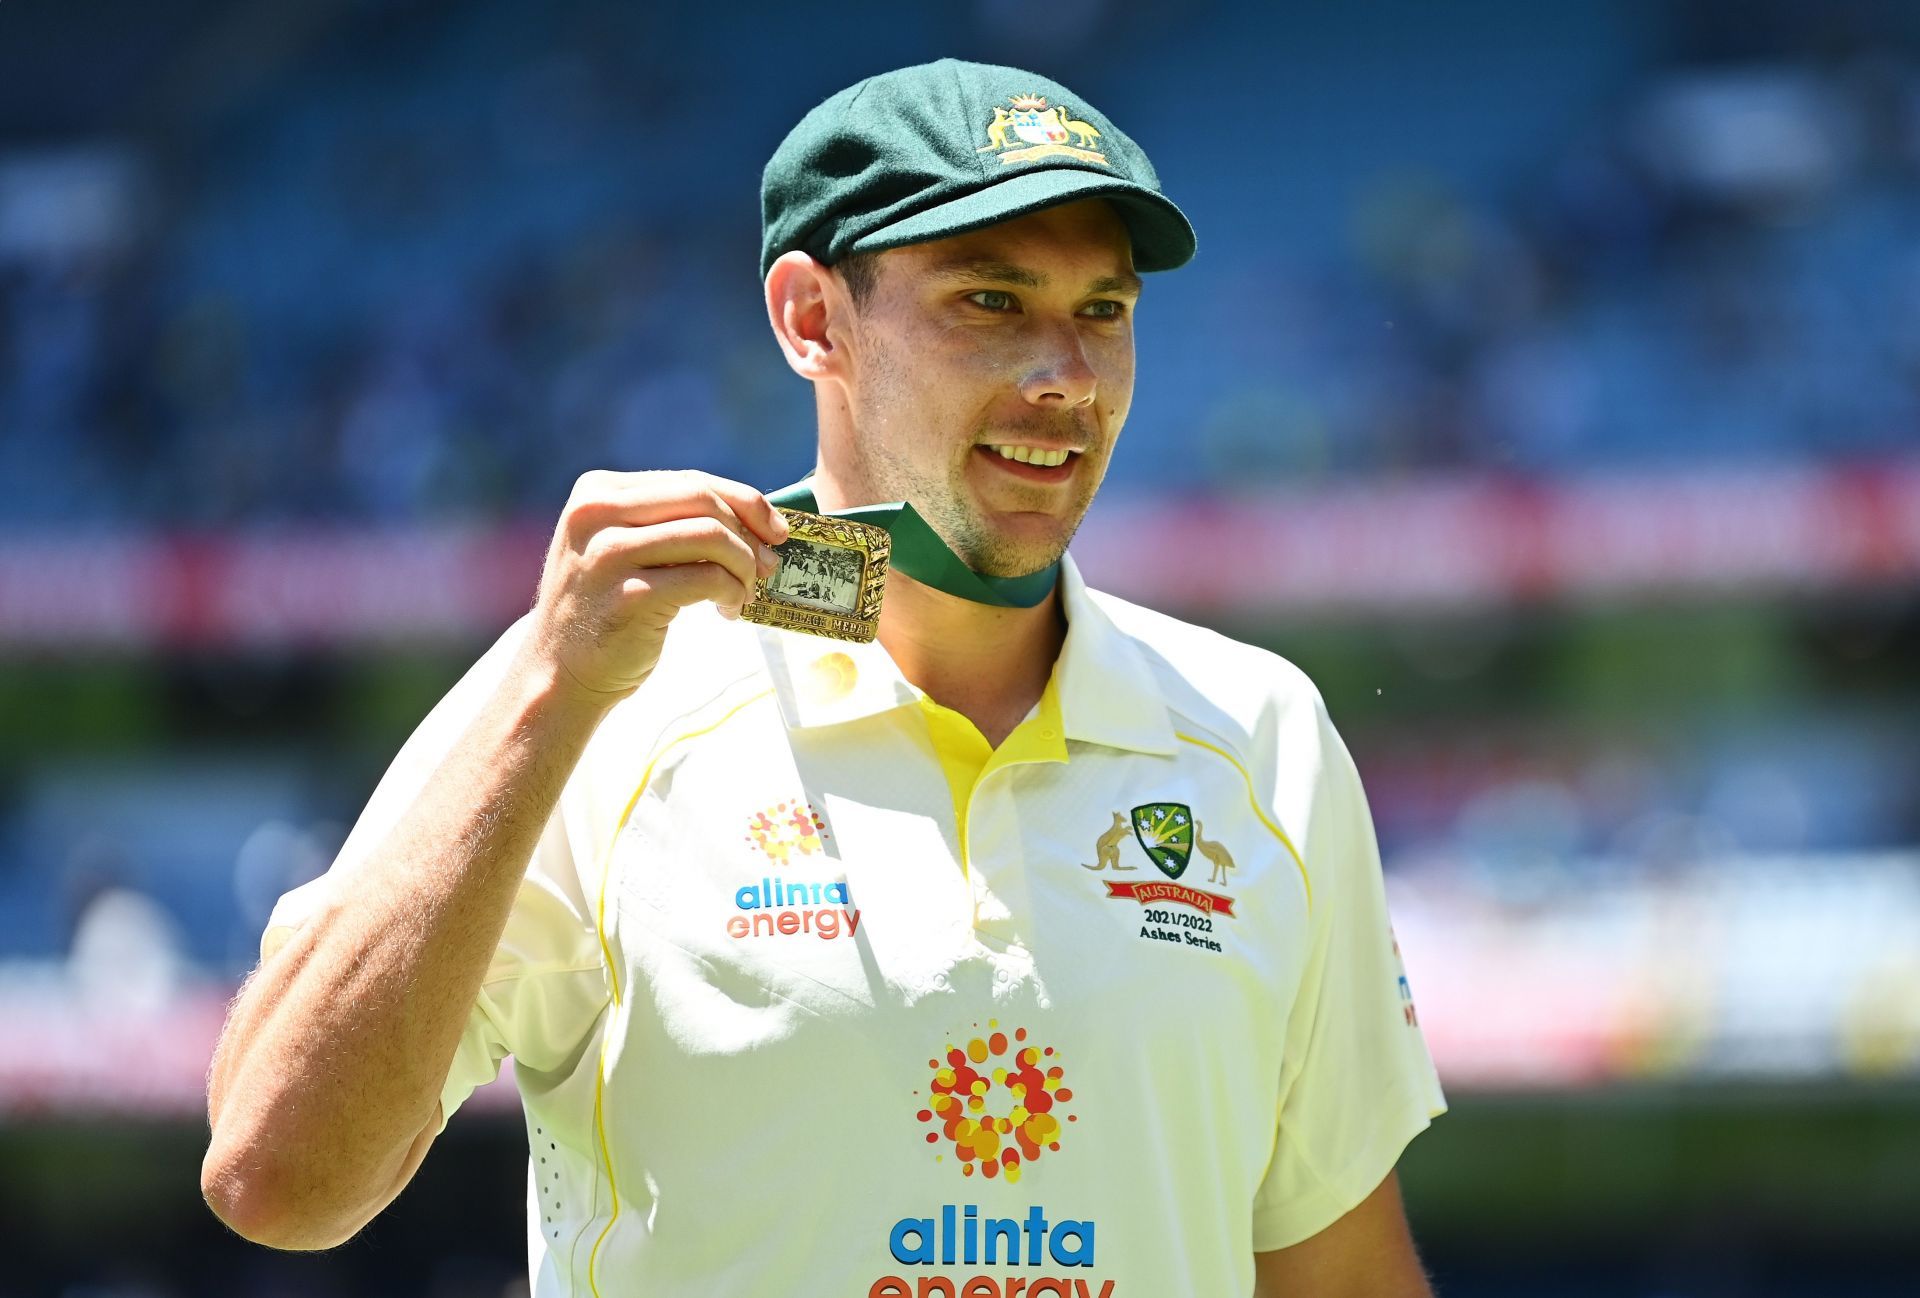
x: 934, y: 150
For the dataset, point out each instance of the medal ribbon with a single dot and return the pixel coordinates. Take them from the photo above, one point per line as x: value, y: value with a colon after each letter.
x: 919, y: 552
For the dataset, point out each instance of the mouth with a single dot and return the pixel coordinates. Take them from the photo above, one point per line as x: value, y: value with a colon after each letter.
x: 1032, y: 463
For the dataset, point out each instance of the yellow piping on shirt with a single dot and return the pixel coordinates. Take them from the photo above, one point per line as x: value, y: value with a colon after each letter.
x: 1254, y: 802
x: 606, y: 1161
x: 646, y: 777
x: 606, y: 953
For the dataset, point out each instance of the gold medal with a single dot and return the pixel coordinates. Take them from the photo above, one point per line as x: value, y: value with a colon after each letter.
x: 832, y: 575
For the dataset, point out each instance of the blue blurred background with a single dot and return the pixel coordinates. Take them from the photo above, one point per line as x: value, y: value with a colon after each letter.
x: 1547, y: 385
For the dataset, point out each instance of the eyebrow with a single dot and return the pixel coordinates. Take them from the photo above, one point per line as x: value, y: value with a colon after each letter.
x: 976, y: 270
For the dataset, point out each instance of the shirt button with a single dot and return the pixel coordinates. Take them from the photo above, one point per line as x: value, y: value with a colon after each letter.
x: 940, y: 982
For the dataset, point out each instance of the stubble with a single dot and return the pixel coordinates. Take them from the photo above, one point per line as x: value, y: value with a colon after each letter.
x: 894, y: 462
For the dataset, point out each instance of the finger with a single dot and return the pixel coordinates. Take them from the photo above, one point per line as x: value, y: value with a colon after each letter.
x: 683, y: 540
x: 603, y: 498
x: 753, y: 508
x: 701, y: 538
x: 764, y: 553
x: 688, y: 583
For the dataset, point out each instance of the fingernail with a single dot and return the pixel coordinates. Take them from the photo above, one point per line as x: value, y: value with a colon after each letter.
x: 769, y: 558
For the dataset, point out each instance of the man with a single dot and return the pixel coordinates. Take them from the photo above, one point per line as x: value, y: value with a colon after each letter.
x: 810, y: 986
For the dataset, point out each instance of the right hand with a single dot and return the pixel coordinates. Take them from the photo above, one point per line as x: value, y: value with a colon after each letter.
x: 630, y: 551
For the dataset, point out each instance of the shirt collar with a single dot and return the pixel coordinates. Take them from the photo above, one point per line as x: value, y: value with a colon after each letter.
x: 1108, y: 694
x: 1107, y: 691
x: 823, y: 682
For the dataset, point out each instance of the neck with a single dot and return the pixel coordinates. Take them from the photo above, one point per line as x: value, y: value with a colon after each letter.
x: 989, y: 664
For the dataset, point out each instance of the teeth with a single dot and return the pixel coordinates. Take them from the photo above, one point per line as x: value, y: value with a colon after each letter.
x: 1032, y: 455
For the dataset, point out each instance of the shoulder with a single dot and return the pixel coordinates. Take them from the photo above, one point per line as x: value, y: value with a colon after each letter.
x: 1256, y: 704
x: 1206, y: 672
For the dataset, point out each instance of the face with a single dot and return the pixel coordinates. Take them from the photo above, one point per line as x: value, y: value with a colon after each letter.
x: 977, y: 363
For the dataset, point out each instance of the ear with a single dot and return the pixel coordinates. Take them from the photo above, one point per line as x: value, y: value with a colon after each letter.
x: 806, y: 306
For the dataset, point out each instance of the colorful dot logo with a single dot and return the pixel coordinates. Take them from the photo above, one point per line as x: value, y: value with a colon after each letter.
x: 786, y: 828
x: 997, y: 1133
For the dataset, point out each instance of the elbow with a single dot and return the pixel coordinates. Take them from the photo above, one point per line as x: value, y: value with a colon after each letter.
x: 254, y: 1204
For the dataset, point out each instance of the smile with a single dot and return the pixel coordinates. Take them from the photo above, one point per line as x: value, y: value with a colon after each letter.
x: 1032, y: 455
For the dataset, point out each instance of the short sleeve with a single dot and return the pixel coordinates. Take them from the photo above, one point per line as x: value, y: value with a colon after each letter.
x: 405, y: 778
x: 545, y: 985
x: 1357, y: 1083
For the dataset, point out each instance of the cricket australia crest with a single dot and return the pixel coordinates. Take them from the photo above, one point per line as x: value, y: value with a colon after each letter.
x: 1169, y: 835
x: 1165, y: 830
x: 1033, y: 131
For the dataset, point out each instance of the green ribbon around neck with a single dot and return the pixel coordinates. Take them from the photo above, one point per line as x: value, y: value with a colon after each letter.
x: 919, y: 552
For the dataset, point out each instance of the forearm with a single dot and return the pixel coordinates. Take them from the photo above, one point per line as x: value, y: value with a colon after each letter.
x: 333, y: 1057
x: 325, y: 1083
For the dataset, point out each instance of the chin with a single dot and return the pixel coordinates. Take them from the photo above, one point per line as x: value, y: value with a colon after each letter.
x: 1014, y: 561
x: 1013, y: 569
x: 1009, y: 546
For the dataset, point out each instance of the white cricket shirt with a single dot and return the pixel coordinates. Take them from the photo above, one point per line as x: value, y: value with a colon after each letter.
x: 808, y: 994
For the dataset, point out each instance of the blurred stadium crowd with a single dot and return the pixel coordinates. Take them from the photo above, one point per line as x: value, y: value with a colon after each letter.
x: 445, y: 293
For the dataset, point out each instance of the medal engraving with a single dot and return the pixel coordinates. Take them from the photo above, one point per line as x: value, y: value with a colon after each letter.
x: 832, y: 575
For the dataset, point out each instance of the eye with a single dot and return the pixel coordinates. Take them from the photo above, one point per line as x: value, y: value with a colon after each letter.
x: 998, y: 300
x: 1113, y: 310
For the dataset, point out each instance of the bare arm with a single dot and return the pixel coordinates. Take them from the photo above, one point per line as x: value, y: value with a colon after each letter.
x: 329, y: 1070
x: 324, y: 1092
x: 1368, y: 1253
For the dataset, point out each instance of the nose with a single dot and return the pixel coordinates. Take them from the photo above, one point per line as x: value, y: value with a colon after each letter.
x: 1060, y: 375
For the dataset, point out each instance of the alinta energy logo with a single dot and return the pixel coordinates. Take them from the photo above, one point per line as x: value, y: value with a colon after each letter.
x: 997, y: 1102
x: 1030, y: 1256
x: 785, y: 905
x: 787, y: 829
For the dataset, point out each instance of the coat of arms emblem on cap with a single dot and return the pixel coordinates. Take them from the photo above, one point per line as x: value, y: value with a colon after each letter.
x: 1045, y: 131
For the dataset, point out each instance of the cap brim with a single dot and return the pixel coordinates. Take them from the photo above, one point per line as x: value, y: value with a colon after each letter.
x: 1162, y: 236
